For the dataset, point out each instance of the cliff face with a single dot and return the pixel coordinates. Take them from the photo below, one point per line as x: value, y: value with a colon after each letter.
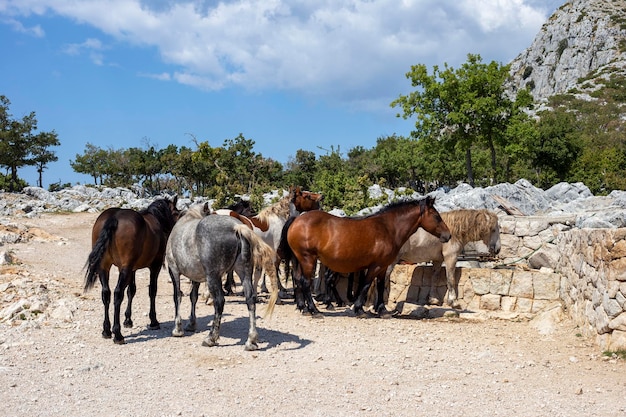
x: 582, y: 40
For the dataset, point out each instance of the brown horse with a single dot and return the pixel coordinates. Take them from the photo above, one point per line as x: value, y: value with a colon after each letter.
x: 130, y: 240
x: 353, y: 244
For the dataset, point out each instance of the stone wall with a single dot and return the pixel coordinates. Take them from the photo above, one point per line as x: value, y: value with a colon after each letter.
x: 594, y: 264
x: 543, y: 261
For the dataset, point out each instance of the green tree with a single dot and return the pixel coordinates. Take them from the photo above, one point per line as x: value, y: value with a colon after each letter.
x: 41, y: 153
x: 91, y: 162
x: 464, y: 108
x: 20, y: 146
x: 301, y: 169
x: 556, y: 146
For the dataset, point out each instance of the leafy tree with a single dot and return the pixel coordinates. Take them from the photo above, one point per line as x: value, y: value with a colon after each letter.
x: 20, y: 146
x: 41, y: 154
x: 301, y: 169
x: 463, y: 108
x: 92, y: 162
x: 556, y: 146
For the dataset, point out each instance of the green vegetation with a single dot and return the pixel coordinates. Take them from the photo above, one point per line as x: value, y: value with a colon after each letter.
x: 467, y: 129
x: 616, y: 354
x: 21, y: 146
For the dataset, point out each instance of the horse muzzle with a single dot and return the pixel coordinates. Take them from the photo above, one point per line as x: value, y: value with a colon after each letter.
x: 444, y: 237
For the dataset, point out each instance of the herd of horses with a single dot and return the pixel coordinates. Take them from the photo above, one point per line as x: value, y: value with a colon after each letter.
x: 206, y: 245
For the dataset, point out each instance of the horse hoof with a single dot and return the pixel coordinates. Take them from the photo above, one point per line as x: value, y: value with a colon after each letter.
x: 156, y: 326
x: 209, y: 343
x: 106, y: 335
x: 251, y: 346
x: 128, y: 324
x: 119, y: 341
x: 190, y: 328
x: 178, y: 333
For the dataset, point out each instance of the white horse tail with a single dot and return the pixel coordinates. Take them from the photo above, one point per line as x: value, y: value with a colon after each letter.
x: 263, y: 256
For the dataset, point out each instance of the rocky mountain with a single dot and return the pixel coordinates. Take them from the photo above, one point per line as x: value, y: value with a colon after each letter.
x: 580, y: 46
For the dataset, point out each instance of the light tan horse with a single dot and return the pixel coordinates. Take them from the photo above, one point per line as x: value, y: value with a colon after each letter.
x: 466, y: 226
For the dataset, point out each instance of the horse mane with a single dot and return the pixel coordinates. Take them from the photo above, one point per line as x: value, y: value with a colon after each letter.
x: 160, y: 209
x: 280, y: 209
x: 469, y: 225
x: 404, y: 204
x: 197, y: 211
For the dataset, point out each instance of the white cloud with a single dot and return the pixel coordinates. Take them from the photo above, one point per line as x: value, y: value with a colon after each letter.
x: 18, y: 26
x: 354, y: 49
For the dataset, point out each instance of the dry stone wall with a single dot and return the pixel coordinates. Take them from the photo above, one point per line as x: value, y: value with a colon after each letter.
x: 544, y: 260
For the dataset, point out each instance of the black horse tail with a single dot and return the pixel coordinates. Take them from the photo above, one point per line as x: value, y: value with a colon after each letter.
x: 100, y: 247
x: 284, y: 250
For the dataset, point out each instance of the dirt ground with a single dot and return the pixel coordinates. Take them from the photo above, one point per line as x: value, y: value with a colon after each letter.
x: 57, y: 365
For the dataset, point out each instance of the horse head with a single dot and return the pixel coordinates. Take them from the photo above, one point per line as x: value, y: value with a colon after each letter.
x: 431, y: 220
x: 305, y: 200
x: 492, y: 241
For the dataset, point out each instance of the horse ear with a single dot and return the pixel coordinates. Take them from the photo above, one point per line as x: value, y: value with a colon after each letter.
x: 205, y: 208
x: 175, y: 200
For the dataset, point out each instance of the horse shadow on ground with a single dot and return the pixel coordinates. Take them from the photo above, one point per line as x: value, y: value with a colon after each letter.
x: 232, y: 332
x: 432, y: 312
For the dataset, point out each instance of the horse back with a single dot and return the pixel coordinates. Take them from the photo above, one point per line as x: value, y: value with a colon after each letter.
x: 343, y: 244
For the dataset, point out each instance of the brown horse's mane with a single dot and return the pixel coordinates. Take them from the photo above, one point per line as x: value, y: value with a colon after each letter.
x: 422, y: 202
x: 160, y: 209
x: 467, y: 225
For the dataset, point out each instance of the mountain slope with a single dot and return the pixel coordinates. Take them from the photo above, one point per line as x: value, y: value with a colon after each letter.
x: 579, y: 47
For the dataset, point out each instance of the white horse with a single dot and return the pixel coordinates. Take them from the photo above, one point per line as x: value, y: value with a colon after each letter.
x: 466, y: 226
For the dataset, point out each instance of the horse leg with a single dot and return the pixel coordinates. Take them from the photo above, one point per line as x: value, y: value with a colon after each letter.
x: 152, y: 291
x: 350, y: 289
x: 248, y: 290
x: 106, y: 300
x: 193, y: 297
x: 229, y: 284
x: 433, y: 299
x: 178, y: 295
x: 118, y: 297
x: 451, y: 298
x: 217, y: 292
x: 329, y: 284
x: 360, y: 300
x: 130, y: 292
x: 381, y: 309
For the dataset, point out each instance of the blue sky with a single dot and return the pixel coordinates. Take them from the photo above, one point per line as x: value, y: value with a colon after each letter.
x: 289, y: 75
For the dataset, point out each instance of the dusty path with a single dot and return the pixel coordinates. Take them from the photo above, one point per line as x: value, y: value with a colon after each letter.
x: 336, y: 366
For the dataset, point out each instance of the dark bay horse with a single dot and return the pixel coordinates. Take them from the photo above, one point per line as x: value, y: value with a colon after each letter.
x: 130, y: 240
x: 347, y: 245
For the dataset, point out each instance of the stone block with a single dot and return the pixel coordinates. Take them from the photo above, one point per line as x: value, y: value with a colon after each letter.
x: 480, y: 279
x: 524, y: 305
x: 546, y: 286
x: 500, y: 281
x: 490, y: 302
x: 619, y: 249
x: 508, y: 303
x: 618, y: 341
x: 617, y: 269
x: 619, y: 322
x: 522, y: 285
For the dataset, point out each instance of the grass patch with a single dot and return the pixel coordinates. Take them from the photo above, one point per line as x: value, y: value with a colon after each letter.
x: 621, y: 353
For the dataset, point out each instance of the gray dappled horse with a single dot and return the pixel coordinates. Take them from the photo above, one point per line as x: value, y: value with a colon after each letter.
x: 204, y: 247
